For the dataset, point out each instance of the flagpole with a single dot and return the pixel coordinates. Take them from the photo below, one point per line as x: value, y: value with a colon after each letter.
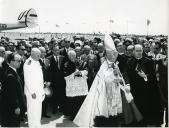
x: 147, y: 29
x: 148, y: 23
x: 127, y: 26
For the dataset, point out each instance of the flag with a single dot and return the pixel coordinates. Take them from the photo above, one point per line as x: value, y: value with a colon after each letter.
x: 111, y: 21
x: 57, y: 25
x: 148, y: 22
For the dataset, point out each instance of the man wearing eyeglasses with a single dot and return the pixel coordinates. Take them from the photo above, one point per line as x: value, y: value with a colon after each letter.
x: 20, y: 49
x: 12, y: 94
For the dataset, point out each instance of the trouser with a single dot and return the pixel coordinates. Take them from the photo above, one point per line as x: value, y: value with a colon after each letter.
x: 34, y: 111
x: 58, y: 99
x: 45, y: 106
x: 10, y: 120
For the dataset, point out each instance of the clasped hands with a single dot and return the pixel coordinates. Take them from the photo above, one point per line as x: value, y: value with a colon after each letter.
x: 77, y: 73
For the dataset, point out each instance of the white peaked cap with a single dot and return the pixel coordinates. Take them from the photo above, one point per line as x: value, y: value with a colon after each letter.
x: 109, y: 43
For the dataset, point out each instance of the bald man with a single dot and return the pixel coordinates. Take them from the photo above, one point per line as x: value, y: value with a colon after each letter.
x: 34, y: 88
x: 144, y: 88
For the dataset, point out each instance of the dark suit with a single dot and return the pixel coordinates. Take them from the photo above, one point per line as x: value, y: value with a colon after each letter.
x: 163, y: 84
x: 3, y: 67
x: 12, y: 98
x: 63, y: 52
x: 46, y: 75
x: 146, y: 93
x: 20, y: 72
x: 58, y: 83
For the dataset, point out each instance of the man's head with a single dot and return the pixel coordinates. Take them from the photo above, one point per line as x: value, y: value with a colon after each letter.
x: 78, y: 51
x: 111, y: 55
x: 120, y: 47
x: 100, y: 47
x: 67, y: 43
x: 87, y: 49
x: 78, y: 43
x: 14, y: 60
x: 146, y: 47
x: 43, y: 52
x: 56, y: 50
x: 20, y: 49
x: 116, y: 41
x: 7, y: 53
x: 72, y: 55
x: 35, y: 44
x: 157, y: 47
x: 129, y: 51
x: 35, y: 54
x: 138, y: 51
x: 2, y: 51
x: 11, y: 47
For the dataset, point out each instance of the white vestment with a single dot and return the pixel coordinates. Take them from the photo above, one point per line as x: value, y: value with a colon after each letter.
x: 95, y: 103
x: 76, y: 86
x: 34, y: 83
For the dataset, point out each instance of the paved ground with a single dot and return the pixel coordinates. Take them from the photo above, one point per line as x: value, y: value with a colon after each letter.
x: 56, y: 120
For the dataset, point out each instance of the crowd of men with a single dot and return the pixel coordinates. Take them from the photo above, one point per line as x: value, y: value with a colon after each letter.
x: 19, y: 71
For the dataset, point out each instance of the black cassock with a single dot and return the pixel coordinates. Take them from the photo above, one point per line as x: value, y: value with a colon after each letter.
x: 146, y: 93
x: 73, y: 104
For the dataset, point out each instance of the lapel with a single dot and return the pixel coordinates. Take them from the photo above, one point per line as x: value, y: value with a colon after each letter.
x: 16, y: 76
x: 53, y: 60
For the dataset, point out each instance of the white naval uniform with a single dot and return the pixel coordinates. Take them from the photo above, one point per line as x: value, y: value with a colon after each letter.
x: 33, y: 77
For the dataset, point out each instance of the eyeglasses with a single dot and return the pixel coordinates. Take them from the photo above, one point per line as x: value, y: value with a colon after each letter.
x: 22, y: 49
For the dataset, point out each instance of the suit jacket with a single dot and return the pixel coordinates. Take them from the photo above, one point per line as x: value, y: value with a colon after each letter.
x: 12, y: 93
x: 57, y: 73
x: 64, y: 53
x: 45, y: 70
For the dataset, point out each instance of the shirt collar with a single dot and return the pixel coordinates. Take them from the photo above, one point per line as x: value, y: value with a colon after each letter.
x: 12, y: 68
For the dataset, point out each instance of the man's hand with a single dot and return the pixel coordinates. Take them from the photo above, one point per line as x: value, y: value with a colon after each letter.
x: 17, y: 111
x: 117, y: 80
x: 127, y: 88
x: 47, y: 84
x: 34, y: 96
x: 143, y: 75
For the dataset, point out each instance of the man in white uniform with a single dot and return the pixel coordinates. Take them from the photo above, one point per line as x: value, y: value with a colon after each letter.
x: 34, y: 91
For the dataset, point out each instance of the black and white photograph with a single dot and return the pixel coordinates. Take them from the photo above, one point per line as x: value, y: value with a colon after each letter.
x: 84, y: 63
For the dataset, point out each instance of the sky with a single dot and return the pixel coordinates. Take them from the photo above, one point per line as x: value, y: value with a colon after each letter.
x: 88, y: 16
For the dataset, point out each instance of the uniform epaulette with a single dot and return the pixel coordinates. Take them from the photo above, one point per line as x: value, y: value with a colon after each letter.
x: 29, y: 62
